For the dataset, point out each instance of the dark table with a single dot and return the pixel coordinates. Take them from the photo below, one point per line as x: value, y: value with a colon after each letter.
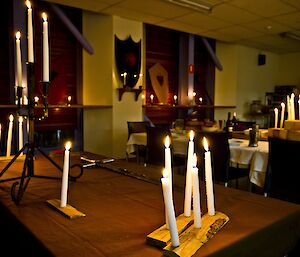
x: 121, y: 210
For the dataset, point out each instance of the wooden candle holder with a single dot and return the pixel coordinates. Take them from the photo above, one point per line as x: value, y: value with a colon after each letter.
x: 68, y: 211
x: 191, y: 238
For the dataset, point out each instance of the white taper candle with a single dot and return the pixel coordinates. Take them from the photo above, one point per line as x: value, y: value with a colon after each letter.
x: 209, y: 180
x: 65, y: 176
x: 188, y: 179
x: 45, y: 49
x: 196, y: 194
x: 9, y: 135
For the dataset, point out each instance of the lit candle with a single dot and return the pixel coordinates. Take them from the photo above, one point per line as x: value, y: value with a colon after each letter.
x: 165, y: 175
x: 151, y: 98
x: 282, y: 115
x: 200, y: 100
x: 293, y: 106
x: 175, y: 99
x: 18, y: 57
x: 29, y: 32
x: 45, y: 49
x: 276, y: 117
x: 124, y: 75
x: 169, y: 208
x: 288, y: 106
x: 188, y: 179
x: 209, y: 181
x: 168, y: 165
x: 196, y: 194
x: 64, y: 186
x: 9, y: 136
x: 20, y: 133
x: 299, y: 106
x: 194, y: 96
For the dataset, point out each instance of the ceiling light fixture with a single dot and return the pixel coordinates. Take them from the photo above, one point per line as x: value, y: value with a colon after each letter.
x: 290, y: 35
x: 197, y: 5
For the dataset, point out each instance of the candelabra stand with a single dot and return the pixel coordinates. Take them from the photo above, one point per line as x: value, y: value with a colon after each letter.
x: 30, y: 147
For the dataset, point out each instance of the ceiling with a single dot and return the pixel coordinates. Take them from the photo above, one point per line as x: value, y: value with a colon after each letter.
x: 254, y: 23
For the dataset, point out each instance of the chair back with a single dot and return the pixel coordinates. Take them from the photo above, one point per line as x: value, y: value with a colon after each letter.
x: 220, y: 154
x: 137, y: 127
x: 283, y: 174
x: 155, y: 144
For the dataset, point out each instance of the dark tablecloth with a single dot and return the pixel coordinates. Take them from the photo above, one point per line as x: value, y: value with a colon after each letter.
x: 121, y: 210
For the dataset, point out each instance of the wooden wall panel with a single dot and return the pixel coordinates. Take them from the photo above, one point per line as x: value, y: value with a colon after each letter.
x: 162, y: 46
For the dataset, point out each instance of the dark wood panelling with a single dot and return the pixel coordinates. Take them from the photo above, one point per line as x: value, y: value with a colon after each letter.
x: 5, y: 52
x: 162, y: 46
x: 63, y: 53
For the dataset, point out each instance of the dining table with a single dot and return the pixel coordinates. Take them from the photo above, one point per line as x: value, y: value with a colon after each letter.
x: 241, y: 154
x: 123, y: 203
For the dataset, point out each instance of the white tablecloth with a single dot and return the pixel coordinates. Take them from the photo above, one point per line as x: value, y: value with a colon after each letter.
x: 240, y: 153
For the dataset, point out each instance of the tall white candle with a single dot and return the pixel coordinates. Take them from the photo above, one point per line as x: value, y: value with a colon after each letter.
x: 282, y: 115
x: 169, y: 208
x: 293, y: 106
x: 29, y: 32
x: 151, y: 98
x: 168, y: 164
x: 65, y: 176
x: 20, y: 133
x: 188, y: 178
x: 299, y: 106
x: 165, y: 175
x: 9, y: 136
x: 276, y: 117
x: 288, y: 102
x: 18, y: 59
x: 209, y: 181
x: 45, y: 49
x: 196, y: 194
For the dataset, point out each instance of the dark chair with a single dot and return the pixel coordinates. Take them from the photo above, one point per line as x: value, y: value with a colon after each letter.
x: 138, y: 127
x: 155, y: 145
x: 283, y: 174
x: 220, y: 154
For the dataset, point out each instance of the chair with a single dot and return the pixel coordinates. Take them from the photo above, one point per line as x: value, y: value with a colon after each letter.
x: 220, y: 154
x: 283, y: 174
x: 138, y: 127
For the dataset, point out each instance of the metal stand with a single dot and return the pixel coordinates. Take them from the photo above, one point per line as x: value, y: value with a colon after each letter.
x: 28, y: 167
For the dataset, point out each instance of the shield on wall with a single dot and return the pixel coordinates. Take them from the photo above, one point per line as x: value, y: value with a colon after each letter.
x: 128, y: 60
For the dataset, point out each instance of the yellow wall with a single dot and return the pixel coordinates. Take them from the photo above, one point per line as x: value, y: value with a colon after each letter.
x: 105, y: 123
x: 289, y: 69
x: 242, y: 79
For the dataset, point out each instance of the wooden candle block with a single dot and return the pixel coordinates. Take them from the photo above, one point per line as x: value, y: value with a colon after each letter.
x: 9, y: 158
x: 161, y: 236
x: 67, y: 211
x: 292, y: 124
x: 193, y: 238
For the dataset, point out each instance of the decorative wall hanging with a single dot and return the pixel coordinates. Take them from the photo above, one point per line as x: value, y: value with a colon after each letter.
x: 160, y: 82
x: 128, y: 61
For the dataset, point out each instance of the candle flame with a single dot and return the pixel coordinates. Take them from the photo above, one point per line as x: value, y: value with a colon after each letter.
x: 205, y: 144
x: 175, y: 97
x: 20, y: 119
x: 151, y: 96
x: 167, y: 142
x: 292, y: 95
x: 11, y: 118
x: 194, y: 161
x: 276, y: 110
x: 192, y: 134
x: 36, y: 99
x: 68, y: 146
x: 282, y: 105
x: 28, y: 4
x: 165, y: 173
x: 69, y: 98
x: 44, y: 16
x: 18, y: 35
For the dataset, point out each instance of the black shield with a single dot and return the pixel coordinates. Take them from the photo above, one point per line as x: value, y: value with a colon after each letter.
x: 128, y: 60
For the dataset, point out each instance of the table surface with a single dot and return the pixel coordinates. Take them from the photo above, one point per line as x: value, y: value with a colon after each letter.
x: 121, y: 210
